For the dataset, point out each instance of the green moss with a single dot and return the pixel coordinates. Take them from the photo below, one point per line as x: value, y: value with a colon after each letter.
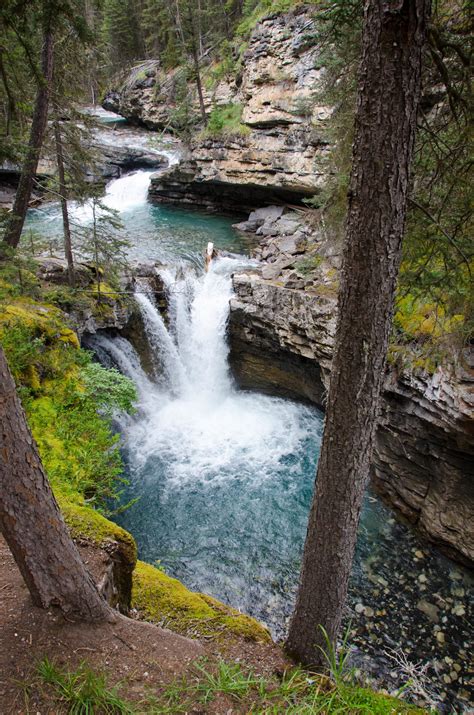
x: 59, y: 390
x: 418, y: 319
x: 238, y: 623
x: 308, y: 264
x: 162, y: 599
x: 86, y: 523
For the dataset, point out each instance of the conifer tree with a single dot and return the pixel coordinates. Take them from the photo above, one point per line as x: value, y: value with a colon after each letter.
x: 121, y: 33
x: 385, y: 126
x: 37, y: 132
x: 32, y: 524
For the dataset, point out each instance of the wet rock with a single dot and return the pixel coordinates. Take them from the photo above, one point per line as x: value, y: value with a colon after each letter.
x: 429, y: 609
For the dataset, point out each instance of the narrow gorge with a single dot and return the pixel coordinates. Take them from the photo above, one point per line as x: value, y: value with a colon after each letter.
x: 231, y: 368
x: 231, y: 361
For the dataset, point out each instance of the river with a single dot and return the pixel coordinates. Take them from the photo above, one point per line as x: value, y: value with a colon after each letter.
x: 224, y: 477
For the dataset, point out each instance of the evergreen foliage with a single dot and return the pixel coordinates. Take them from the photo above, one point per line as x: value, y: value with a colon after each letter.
x: 436, y: 276
x: 204, y: 41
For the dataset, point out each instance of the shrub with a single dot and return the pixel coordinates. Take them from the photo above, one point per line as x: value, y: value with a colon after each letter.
x: 226, y: 120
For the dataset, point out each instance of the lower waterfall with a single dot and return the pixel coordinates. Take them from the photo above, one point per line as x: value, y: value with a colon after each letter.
x: 224, y: 480
x: 198, y: 424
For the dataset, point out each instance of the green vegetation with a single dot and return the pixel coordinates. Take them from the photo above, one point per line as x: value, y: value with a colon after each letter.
x: 87, y: 523
x: 83, y: 691
x: 308, y: 264
x: 434, y: 316
x: 68, y: 399
x: 226, y: 120
x: 255, y: 11
x: 164, y: 600
x: 70, y: 402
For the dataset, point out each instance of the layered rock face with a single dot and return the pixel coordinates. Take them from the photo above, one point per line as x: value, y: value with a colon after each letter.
x: 146, y: 98
x: 283, y: 317
x: 424, y: 457
x: 278, y: 152
x: 282, y: 325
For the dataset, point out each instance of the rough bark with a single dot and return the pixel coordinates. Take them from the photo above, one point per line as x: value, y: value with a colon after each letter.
x: 11, y: 106
x: 388, y: 95
x: 197, y: 69
x: 63, y: 199
x: 32, y: 524
x: 38, y: 128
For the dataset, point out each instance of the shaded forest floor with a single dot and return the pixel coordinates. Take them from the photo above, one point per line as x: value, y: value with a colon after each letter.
x: 51, y: 666
x: 143, y: 658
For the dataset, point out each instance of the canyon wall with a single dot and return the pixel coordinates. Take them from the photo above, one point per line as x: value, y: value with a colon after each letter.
x: 283, y: 316
x: 282, y: 325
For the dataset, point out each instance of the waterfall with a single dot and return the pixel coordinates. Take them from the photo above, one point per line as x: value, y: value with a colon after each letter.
x: 122, y: 195
x: 121, y: 354
x: 198, y: 424
x: 165, y: 351
x: 193, y: 420
x: 192, y: 350
x: 129, y: 191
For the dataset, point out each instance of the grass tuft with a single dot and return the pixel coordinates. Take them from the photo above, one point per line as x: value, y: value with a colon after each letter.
x: 82, y: 691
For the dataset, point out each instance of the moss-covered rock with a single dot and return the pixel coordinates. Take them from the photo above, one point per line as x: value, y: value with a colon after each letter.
x: 88, y: 526
x: 164, y: 600
x: 86, y: 523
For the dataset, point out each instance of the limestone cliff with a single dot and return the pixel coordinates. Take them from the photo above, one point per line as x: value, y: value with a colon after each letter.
x: 283, y: 317
x: 278, y: 151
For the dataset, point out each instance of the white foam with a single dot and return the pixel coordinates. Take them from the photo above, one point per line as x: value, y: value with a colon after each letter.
x: 202, y: 427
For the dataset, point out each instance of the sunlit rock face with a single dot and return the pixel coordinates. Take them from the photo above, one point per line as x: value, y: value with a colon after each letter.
x: 279, y: 150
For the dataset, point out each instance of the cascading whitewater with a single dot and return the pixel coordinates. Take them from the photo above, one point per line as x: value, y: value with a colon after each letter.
x: 165, y: 352
x: 224, y: 478
x: 202, y: 427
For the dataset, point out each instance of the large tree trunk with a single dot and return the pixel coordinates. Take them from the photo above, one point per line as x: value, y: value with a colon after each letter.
x: 63, y: 199
x: 388, y: 94
x: 31, y: 522
x: 11, y: 106
x: 38, y: 128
